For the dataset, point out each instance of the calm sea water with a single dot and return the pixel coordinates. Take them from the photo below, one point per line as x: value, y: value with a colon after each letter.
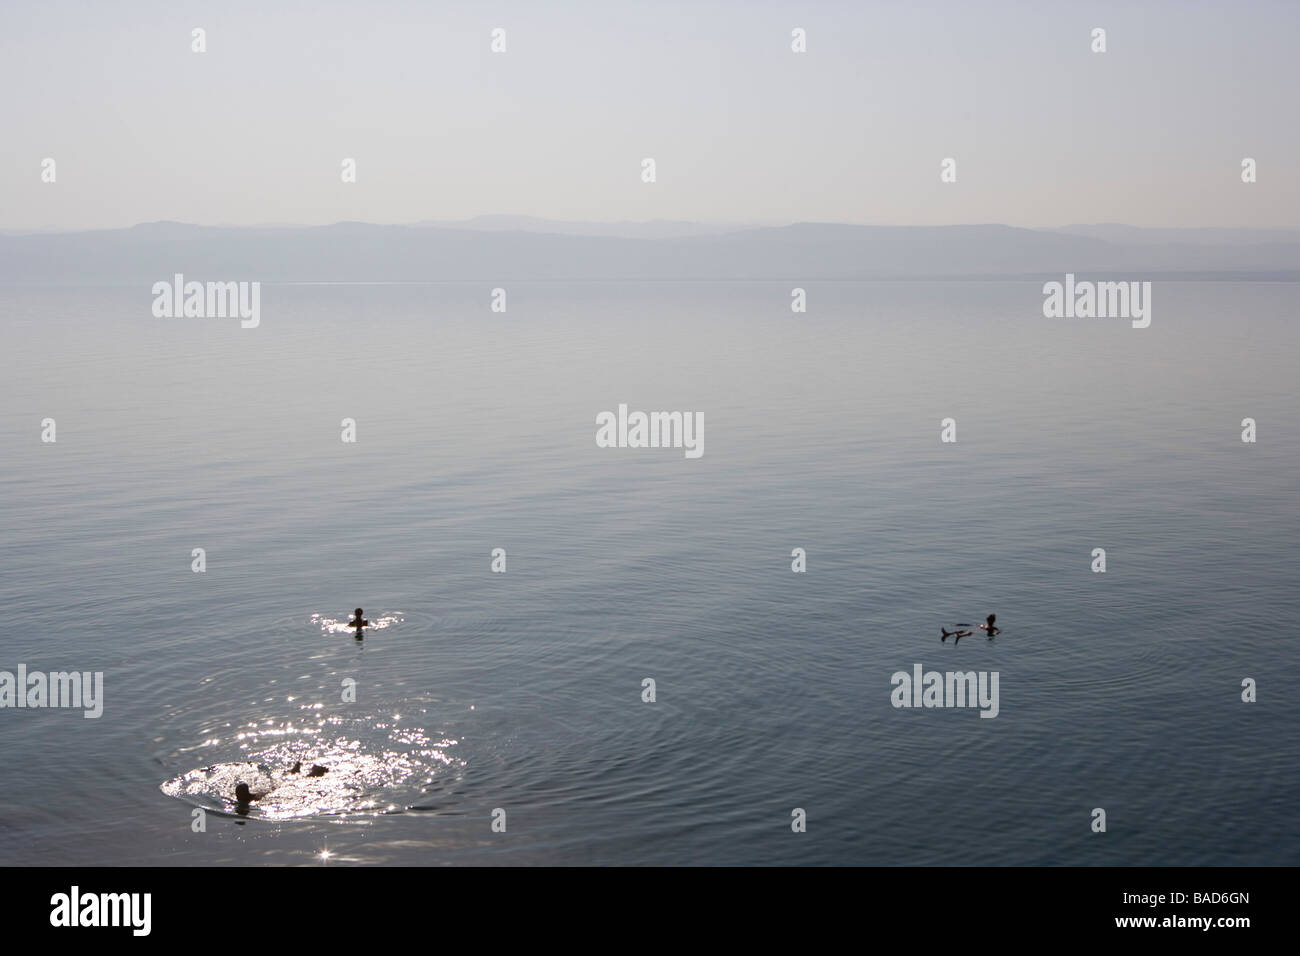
x: 522, y: 690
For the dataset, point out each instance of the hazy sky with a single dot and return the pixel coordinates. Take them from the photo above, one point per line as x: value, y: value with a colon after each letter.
x: 1044, y: 131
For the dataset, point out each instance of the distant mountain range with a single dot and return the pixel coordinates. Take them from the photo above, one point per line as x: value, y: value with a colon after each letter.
x: 652, y: 229
x: 503, y: 248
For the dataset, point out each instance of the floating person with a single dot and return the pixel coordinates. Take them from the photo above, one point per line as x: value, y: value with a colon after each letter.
x: 944, y: 634
x: 990, y: 628
x: 358, y: 622
x: 316, y: 769
x: 244, y: 796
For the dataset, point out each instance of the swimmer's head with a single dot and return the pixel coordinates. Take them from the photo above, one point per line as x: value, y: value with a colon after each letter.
x: 242, y: 793
x: 358, y: 613
x: 992, y: 618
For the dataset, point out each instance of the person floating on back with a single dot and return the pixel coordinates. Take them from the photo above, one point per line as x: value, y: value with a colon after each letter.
x: 316, y: 769
x: 956, y: 636
x: 990, y: 628
x: 244, y: 796
x: 358, y: 622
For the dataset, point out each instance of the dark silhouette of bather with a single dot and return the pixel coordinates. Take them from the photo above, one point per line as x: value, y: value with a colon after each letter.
x: 990, y: 628
x: 316, y: 769
x: 956, y: 636
x: 358, y: 622
x: 244, y: 796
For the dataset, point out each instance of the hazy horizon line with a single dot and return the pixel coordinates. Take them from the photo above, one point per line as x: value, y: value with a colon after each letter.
x: 729, y: 226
